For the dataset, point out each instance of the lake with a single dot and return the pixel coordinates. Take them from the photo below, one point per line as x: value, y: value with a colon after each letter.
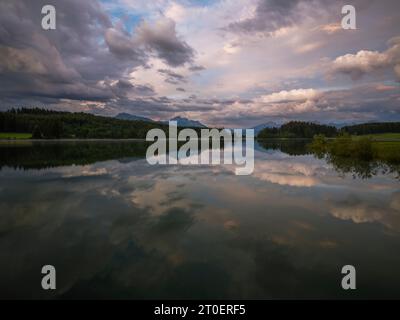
x: 115, y: 227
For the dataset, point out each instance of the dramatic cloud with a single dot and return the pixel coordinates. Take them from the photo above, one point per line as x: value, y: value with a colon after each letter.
x: 363, y: 212
x: 196, y: 68
x: 268, y: 16
x: 123, y: 88
x: 65, y: 63
x: 277, y: 172
x: 161, y: 38
x: 364, y: 103
x: 292, y: 95
x: 71, y: 62
x: 364, y: 61
x: 172, y: 77
x: 229, y: 63
x: 272, y: 15
x: 123, y: 45
x: 283, y: 103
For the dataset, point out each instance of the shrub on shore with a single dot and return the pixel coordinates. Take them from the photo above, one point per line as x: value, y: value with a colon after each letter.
x: 343, y: 146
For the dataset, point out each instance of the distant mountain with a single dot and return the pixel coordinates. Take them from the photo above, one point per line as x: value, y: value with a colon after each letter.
x: 337, y: 125
x: 185, y: 122
x: 262, y: 126
x: 47, y: 124
x: 181, y: 121
x: 340, y: 125
x: 127, y: 116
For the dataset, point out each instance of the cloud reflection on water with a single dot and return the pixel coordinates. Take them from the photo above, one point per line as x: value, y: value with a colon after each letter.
x: 125, y: 229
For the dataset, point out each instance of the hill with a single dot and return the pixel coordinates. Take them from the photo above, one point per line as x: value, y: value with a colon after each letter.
x: 181, y: 121
x: 46, y: 124
x: 185, y: 122
x: 373, y: 128
x: 260, y: 127
x: 128, y: 116
x: 298, y: 129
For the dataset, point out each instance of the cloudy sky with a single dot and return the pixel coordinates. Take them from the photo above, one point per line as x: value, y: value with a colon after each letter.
x: 234, y: 63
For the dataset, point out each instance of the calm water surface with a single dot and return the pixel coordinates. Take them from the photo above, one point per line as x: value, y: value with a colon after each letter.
x: 116, y: 227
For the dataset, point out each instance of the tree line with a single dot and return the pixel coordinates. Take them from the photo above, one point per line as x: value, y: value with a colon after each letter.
x: 360, y: 156
x: 48, y: 124
x: 373, y: 128
x: 48, y: 155
x: 300, y: 129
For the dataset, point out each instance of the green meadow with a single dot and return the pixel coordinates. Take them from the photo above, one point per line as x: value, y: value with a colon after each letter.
x: 360, y: 147
x: 15, y: 136
x: 381, y: 136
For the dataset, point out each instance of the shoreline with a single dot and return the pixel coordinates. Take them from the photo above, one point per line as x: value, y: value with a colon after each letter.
x: 69, y: 140
x: 143, y: 139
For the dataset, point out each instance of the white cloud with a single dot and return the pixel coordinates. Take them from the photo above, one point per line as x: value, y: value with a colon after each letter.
x: 364, y: 61
x: 361, y: 212
x: 291, y: 95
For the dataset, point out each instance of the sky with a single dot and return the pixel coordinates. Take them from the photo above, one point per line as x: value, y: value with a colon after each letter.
x: 226, y: 63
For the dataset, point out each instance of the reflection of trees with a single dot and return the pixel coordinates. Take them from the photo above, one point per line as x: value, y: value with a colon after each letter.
x: 362, y: 158
x: 47, y: 155
x: 361, y: 169
x: 345, y: 155
x: 293, y: 147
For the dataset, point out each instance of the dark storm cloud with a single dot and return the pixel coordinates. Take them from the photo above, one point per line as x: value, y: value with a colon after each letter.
x: 82, y: 57
x: 172, y: 77
x: 78, y: 22
x: 369, y: 62
x: 162, y: 40
x: 159, y: 39
x: 87, y: 63
x: 123, y: 87
x: 156, y: 107
x: 143, y: 90
x: 123, y: 45
x: 66, y: 63
x: 195, y: 68
x: 359, y: 104
x: 271, y: 15
x: 380, y: 102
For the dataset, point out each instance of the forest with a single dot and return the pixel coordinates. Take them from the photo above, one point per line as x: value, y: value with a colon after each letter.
x: 300, y: 129
x: 49, y: 124
x: 46, y: 124
x: 358, y: 155
x: 373, y: 128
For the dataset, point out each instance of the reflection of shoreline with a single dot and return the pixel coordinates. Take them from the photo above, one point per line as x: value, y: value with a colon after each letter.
x: 49, y: 154
x: 142, y: 231
x: 41, y: 154
x: 292, y: 147
x: 65, y: 140
x: 371, y: 210
x: 361, y: 157
x: 358, y: 168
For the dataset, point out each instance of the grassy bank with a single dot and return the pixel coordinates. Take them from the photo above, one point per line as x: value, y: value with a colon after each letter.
x: 360, y: 148
x: 15, y: 136
x: 381, y: 136
x: 360, y: 156
x: 46, y: 124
